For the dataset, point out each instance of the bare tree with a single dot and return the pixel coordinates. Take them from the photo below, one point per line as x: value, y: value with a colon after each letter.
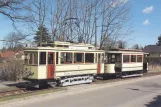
x: 136, y: 46
x: 89, y: 21
x: 115, y: 15
x: 14, y: 40
x: 122, y: 44
x: 37, y: 10
x: 13, y: 9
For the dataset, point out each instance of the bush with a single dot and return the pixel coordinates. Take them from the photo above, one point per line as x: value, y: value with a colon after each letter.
x: 11, y: 70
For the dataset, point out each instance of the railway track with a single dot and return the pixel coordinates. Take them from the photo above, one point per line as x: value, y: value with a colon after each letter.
x: 12, y: 92
x: 20, y: 91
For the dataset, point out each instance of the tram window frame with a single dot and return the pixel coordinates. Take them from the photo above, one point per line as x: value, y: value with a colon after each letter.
x: 42, y: 56
x: 82, y: 58
x: 141, y: 58
x: 127, y: 59
x: 89, y: 57
x: 65, y: 58
x: 133, y: 58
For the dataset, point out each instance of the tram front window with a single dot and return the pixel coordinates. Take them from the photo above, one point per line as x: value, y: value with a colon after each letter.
x: 139, y: 58
x: 112, y: 58
x: 31, y: 58
x: 26, y: 60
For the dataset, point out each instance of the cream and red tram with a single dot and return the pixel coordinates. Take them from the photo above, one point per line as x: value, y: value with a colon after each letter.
x: 62, y: 63
x: 125, y: 63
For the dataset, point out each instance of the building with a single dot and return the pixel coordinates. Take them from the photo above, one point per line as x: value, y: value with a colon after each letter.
x: 153, y: 50
x: 8, y: 55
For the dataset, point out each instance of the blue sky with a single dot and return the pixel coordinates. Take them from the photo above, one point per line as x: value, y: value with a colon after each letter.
x: 146, y: 21
x: 145, y: 18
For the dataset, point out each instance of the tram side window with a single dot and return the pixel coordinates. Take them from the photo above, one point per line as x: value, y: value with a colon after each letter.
x: 31, y: 58
x: 126, y: 58
x: 89, y: 58
x: 42, y: 58
x: 133, y: 58
x: 57, y: 56
x: 139, y: 58
x: 78, y: 57
x: 66, y: 58
x: 103, y: 57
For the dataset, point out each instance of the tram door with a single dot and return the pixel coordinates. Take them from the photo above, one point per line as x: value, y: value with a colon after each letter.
x: 99, y: 64
x: 51, y: 65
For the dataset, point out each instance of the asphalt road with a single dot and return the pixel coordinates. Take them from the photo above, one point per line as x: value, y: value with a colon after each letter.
x: 145, y: 93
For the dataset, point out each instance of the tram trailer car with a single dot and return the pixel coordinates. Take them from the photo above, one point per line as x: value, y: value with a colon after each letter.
x: 62, y: 63
x: 125, y: 63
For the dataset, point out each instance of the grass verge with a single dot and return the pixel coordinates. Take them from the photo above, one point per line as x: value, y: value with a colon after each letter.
x: 11, y: 97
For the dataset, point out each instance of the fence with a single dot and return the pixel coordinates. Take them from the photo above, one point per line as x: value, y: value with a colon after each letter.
x: 154, y: 63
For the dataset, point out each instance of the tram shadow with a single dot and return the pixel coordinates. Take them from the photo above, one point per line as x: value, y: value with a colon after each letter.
x: 17, y: 84
x: 156, y: 102
x: 24, y: 85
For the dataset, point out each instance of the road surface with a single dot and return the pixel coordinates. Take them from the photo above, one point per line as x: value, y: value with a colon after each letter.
x: 144, y: 93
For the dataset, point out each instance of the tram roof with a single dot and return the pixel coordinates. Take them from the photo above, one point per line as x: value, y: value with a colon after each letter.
x: 65, y: 46
x: 124, y: 51
x: 61, y: 49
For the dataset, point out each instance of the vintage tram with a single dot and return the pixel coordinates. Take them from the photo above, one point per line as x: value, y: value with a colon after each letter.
x: 62, y: 63
x: 125, y: 62
x: 66, y: 63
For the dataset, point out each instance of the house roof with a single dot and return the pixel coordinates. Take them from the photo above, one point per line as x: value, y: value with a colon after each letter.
x: 152, y: 49
x: 8, y: 54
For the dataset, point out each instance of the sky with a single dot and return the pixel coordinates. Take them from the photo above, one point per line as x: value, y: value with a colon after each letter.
x: 145, y: 22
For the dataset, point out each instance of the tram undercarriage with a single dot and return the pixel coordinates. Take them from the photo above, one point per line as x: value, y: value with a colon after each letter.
x: 122, y: 75
x: 63, y: 81
x: 131, y: 74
